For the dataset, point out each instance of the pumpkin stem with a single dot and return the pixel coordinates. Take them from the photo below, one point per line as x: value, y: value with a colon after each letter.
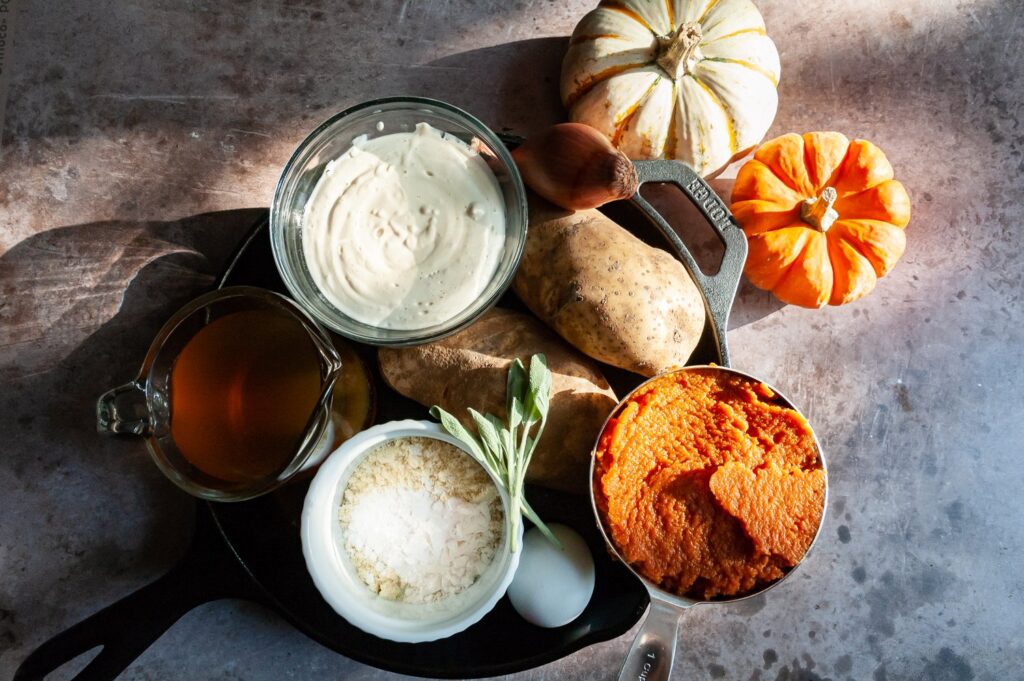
x: 677, y: 49
x: 818, y: 212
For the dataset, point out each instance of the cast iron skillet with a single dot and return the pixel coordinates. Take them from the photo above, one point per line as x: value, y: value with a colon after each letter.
x: 252, y: 550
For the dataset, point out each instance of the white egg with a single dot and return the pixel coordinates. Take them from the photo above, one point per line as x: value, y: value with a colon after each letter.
x: 551, y: 586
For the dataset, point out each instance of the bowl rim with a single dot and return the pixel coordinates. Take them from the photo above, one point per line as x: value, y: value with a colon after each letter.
x: 319, y: 551
x: 403, y: 337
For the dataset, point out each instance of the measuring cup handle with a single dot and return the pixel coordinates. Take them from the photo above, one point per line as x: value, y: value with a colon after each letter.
x: 654, y: 649
x: 123, y: 410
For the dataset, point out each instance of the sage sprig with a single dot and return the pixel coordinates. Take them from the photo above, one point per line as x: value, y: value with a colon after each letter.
x: 505, y: 448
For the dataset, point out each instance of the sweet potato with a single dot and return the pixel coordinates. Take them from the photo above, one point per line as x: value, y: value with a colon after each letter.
x: 606, y: 292
x: 470, y: 368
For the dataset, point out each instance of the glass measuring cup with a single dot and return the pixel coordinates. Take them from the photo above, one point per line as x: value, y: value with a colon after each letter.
x: 146, y: 407
x: 652, y: 654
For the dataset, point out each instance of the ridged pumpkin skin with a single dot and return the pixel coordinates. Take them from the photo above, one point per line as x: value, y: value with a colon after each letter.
x: 693, y: 80
x: 808, y: 245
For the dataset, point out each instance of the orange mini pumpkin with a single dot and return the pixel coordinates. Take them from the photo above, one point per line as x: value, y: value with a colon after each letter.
x: 823, y: 217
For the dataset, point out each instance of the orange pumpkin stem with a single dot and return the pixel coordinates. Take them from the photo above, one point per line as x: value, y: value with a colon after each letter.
x: 677, y: 49
x: 818, y: 212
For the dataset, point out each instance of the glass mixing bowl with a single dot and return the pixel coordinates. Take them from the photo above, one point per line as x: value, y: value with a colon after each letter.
x: 334, y: 137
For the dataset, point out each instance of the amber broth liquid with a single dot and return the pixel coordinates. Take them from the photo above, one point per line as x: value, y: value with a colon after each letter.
x: 242, y: 391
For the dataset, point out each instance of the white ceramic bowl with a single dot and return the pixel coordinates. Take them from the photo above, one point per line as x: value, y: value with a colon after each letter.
x: 340, y: 585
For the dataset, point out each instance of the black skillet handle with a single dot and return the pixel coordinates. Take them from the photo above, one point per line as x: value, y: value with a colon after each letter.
x: 125, y: 629
x: 720, y: 289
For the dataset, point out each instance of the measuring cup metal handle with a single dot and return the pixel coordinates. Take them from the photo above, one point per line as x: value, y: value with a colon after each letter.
x: 123, y: 410
x: 654, y: 648
x: 719, y: 289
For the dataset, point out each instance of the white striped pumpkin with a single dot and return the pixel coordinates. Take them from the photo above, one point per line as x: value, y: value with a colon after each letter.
x: 693, y: 80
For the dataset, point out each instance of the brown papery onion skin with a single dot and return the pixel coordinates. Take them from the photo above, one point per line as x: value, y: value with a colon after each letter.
x: 574, y: 166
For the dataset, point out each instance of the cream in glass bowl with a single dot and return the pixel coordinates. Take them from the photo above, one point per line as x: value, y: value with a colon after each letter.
x: 399, y: 221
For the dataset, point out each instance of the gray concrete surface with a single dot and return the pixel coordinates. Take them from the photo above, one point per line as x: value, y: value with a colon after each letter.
x: 126, y: 122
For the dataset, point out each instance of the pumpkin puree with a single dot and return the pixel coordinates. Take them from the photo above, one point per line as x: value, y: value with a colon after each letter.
x: 708, y: 485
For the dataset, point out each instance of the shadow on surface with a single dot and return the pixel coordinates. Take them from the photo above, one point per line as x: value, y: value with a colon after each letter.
x: 521, y: 78
x: 61, y: 285
x: 79, y: 306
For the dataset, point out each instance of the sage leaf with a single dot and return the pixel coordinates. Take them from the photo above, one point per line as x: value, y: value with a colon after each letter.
x: 458, y: 431
x: 506, y: 449
x: 515, y: 392
x: 488, y: 433
x: 539, y: 391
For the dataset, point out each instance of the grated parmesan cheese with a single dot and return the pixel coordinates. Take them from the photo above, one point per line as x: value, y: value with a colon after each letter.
x: 420, y: 519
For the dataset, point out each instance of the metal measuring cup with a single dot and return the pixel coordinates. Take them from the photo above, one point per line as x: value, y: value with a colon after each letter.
x: 652, y: 654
